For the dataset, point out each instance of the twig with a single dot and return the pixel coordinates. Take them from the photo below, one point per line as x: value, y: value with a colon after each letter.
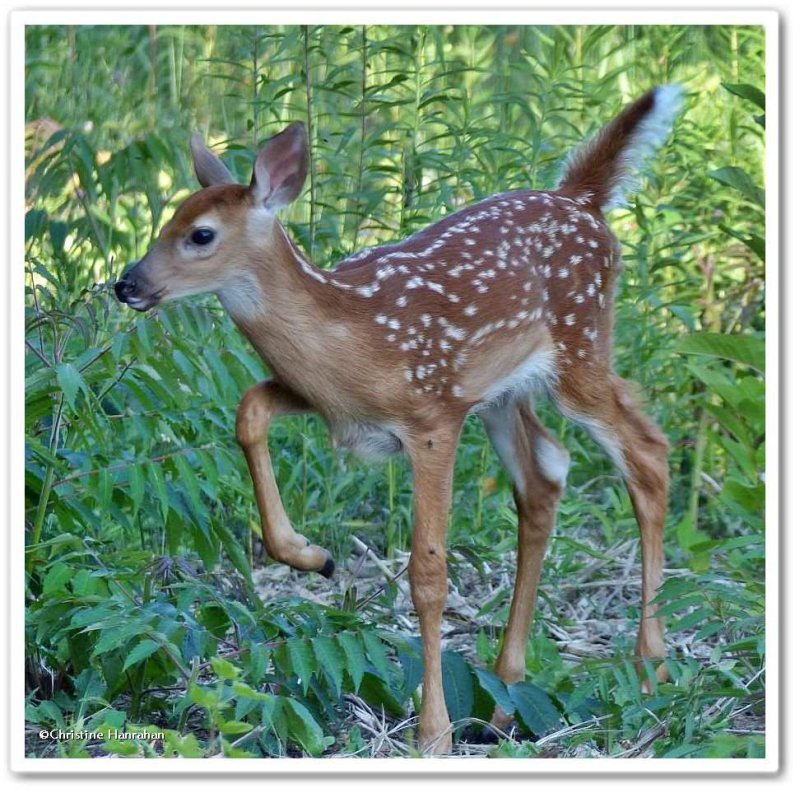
x: 38, y: 354
x: 364, y: 549
x: 239, y: 741
x: 572, y: 729
x: 646, y: 740
x: 119, y: 466
x: 712, y: 483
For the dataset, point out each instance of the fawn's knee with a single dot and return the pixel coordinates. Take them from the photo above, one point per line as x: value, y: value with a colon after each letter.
x: 253, y: 415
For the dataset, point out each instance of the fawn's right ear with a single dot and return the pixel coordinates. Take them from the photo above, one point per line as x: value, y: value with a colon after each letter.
x: 209, y: 168
x: 280, y: 168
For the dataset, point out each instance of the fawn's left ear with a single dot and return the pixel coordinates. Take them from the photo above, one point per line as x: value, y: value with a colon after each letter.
x: 280, y: 168
x: 209, y: 168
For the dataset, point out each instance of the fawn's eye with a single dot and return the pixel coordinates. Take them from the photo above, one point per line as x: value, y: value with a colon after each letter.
x: 202, y: 236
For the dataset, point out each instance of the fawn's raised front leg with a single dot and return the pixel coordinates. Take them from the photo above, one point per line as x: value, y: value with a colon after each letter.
x: 259, y: 405
x: 432, y: 457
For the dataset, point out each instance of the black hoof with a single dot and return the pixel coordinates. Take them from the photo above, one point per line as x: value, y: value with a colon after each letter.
x: 482, y: 735
x: 488, y: 735
x: 328, y: 568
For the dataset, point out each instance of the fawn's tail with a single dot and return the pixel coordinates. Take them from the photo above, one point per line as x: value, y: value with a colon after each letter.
x: 601, y: 170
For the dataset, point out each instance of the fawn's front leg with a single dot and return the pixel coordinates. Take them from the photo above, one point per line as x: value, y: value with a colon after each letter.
x: 432, y: 456
x: 259, y: 405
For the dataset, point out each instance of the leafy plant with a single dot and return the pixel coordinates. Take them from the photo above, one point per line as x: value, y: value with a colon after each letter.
x: 141, y: 529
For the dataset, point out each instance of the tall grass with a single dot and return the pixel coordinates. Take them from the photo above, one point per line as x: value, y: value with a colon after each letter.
x: 135, y: 489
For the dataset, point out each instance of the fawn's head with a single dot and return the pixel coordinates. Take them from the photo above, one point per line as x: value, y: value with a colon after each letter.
x: 207, y: 244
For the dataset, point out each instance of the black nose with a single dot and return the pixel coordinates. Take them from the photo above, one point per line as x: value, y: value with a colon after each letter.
x: 125, y: 288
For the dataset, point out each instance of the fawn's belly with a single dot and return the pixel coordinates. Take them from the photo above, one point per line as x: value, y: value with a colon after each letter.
x: 372, y: 442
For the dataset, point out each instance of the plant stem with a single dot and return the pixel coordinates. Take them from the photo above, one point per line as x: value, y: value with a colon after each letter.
x: 47, y: 487
x: 254, y: 75
x: 310, y: 126
x: 360, y: 170
x: 121, y: 466
x: 151, y: 77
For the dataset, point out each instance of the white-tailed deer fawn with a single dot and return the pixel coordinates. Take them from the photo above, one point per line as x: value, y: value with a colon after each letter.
x: 395, y: 346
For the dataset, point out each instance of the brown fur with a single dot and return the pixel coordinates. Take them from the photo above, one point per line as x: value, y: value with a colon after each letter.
x: 595, y: 169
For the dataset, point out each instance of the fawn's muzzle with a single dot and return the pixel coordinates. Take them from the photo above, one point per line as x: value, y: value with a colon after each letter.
x: 125, y: 289
x: 135, y: 290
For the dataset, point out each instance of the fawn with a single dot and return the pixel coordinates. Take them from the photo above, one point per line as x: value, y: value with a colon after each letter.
x: 395, y: 346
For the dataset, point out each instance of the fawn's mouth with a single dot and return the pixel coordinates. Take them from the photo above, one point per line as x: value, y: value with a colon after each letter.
x: 138, y: 302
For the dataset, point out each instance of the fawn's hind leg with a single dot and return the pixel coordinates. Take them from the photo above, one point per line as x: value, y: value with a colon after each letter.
x: 606, y: 406
x: 538, y: 465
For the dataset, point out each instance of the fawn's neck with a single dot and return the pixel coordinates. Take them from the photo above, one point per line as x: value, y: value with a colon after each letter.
x: 285, y: 306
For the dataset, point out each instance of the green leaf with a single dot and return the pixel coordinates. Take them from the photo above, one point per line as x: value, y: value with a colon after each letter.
x: 155, y: 476
x: 233, y: 547
x: 750, y: 499
x: 143, y: 650
x: 303, y: 729
x: 114, y: 638
x: 753, y: 241
x: 376, y: 652
x: 457, y: 682
x: 143, y: 334
x: 695, y: 618
x: 273, y: 714
x: 182, y: 745
x: 223, y: 669
x: 302, y: 660
x: 70, y: 381
x: 738, y: 179
x: 229, y: 750
x: 356, y: 659
x: 410, y: 659
x: 748, y: 350
x: 35, y: 221
x: 495, y: 688
x: 57, y: 578
x: 235, y: 727
x: 243, y: 690
x: 330, y: 657
x: 136, y: 486
x: 534, y: 707
x: 203, y: 696
x: 112, y: 718
x: 187, y: 480
x: 379, y: 694
x: 58, y: 235
x: 52, y: 713
x: 214, y: 619
x: 125, y: 748
x: 747, y: 91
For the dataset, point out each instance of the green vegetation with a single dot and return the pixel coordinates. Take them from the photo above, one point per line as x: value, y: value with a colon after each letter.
x: 141, y: 528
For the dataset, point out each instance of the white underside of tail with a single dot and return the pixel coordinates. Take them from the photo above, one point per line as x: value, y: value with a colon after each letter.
x: 651, y: 134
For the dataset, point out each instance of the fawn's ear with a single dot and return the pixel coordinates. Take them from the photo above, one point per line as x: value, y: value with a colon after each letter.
x: 280, y: 168
x: 208, y: 167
